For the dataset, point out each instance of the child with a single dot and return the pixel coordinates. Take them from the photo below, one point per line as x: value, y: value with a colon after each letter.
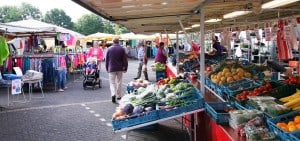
x: 91, y: 65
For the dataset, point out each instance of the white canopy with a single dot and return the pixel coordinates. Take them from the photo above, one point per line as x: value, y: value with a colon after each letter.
x: 45, y: 27
x: 131, y: 35
x: 100, y: 36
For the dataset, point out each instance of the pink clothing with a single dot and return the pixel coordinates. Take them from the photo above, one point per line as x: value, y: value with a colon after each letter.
x: 96, y: 52
x: 71, y: 40
x: 62, y: 62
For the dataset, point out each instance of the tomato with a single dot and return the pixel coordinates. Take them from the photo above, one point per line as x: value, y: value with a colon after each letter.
x: 245, y: 93
x: 268, y: 86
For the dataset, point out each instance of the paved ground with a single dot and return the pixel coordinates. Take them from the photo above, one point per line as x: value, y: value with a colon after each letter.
x: 76, y: 115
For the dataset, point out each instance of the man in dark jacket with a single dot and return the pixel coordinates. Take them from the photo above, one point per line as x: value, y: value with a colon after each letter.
x: 116, y: 64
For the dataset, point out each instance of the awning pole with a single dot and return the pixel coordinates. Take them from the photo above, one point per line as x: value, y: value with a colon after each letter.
x: 202, y: 52
x: 184, y: 31
x: 177, y: 52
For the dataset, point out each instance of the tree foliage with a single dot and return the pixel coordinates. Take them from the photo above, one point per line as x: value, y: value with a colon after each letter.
x: 89, y: 24
x: 92, y: 23
x: 28, y: 11
x: 58, y: 17
x: 14, y: 13
x: 9, y: 14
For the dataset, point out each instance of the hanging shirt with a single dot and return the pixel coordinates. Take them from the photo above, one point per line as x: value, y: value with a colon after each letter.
x: 4, y: 51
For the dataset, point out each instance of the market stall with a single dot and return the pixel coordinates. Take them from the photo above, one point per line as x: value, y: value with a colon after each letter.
x: 246, y: 14
x: 29, y: 49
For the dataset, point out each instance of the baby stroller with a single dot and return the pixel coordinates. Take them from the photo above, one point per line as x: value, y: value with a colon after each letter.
x: 91, y: 74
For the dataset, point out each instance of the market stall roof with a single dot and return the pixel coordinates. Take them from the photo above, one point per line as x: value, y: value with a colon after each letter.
x: 127, y: 36
x: 44, y: 27
x: 16, y: 29
x: 153, y: 16
x: 100, y: 36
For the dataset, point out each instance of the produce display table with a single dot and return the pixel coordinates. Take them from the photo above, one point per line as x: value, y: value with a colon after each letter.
x: 128, y: 129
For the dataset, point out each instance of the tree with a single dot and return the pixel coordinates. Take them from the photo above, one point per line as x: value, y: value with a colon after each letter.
x: 28, y: 11
x: 9, y: 14
x: 120, y: 29
x: 89, y: 24
x: 58, y: 17
x: 108, y: 27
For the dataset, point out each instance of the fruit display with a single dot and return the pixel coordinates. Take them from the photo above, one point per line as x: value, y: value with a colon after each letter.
x: 255, y: 92
x: 167, y: 81
x: 293, y: 80
x: 227, y: 75
x: 291, y: 125
x: 292, y: 101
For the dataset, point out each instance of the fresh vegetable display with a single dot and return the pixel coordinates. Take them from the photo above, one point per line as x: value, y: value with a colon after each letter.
x: 158, y: 66
x: 255, y: 92
x: 256, y: 130
x: 268, y: 105
x: 290, y: 126
x: 292, y: 101
x: 170, y: 94
x: 139, y: 83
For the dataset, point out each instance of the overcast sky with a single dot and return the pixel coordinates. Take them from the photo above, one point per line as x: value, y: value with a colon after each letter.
x: 72, y: 9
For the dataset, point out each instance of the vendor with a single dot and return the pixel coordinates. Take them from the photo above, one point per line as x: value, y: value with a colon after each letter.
x: 161, y: 54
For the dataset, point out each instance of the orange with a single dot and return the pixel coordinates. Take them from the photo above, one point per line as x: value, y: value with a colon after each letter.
x: 292, y: 128
x: 281, y: 124
x: 291, y: 123
x: 285, y: 128
x: 298, y: 126
x: 297, y: 119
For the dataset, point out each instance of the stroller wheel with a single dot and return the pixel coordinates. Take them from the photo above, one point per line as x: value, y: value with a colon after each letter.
x: 100, y: 83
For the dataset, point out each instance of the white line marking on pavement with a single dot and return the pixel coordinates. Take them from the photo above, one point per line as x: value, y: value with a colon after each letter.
x: 92, y: 111
x: 102, y: 119
x: 53, y: 106
x: 83, y: 105
x: 123, y: 136
x: 109, y: 124
x: 87, y: 108
x: 97, y: 115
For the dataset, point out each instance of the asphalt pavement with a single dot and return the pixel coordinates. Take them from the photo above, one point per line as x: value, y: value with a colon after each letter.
x: 76, y: 114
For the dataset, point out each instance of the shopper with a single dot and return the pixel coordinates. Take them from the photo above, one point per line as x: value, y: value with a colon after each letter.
x: 142, y: 58
x: 161, y: 54
x: 96, y: 52
x: 116, y: 64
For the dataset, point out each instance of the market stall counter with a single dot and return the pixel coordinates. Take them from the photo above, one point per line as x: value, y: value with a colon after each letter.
x: 166, y: 99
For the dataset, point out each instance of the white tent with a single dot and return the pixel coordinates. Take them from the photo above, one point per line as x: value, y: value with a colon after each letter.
x: 100, y: 36
x: 45, y: 27
x: 127, y: 36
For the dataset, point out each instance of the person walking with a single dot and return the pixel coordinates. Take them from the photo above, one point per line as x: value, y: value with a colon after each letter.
x: 96, y: 52
x: 116, y: 64
x: 142, y: 58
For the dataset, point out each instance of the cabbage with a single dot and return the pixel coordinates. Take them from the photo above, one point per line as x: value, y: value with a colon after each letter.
x: 128, y: 108
x: 138, y: 110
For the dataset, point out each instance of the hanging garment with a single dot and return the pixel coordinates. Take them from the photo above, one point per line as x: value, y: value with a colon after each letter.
x: 267, y: 33
x: 4, y: 51
x: 284, y: 52
x: 71, y: 40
